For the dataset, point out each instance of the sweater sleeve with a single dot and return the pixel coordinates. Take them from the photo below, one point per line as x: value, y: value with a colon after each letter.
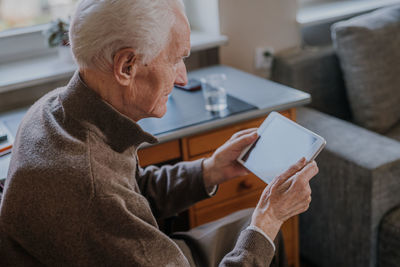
x: 255, y: 228
x: 172, y: 189
x: 251, y: 249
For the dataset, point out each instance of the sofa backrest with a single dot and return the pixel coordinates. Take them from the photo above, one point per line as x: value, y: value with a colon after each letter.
x: 368, y: 50
x: 315, y: 70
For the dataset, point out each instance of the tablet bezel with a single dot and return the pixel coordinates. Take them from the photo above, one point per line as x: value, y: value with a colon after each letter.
x: 313, y: 152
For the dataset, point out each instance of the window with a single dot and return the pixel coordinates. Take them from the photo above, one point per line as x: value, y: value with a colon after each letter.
x: 22, y: 13
x: 26, y: 60
x: 22, y: 23
x: 314, y: 12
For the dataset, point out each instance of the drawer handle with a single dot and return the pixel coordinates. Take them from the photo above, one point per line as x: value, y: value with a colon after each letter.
x: 245, y: 184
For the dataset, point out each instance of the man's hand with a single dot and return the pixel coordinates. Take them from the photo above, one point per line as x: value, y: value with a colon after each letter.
x: 222, y: 165
x: 287, y: 195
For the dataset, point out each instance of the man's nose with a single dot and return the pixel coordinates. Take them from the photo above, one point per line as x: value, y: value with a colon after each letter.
x: 181, y: 75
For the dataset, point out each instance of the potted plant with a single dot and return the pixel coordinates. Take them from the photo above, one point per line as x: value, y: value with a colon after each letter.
x: 57, y: 36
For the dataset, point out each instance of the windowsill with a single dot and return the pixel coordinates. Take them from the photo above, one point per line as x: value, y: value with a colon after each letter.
x: 201, y: 41
x: 328, y: 12
x: 36, y: 71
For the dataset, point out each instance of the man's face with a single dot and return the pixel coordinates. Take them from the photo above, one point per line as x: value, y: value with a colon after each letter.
x: 153, y: 82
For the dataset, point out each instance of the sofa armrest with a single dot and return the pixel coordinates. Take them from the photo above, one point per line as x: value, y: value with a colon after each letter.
x: 315, y: 70
x: 359, y: 181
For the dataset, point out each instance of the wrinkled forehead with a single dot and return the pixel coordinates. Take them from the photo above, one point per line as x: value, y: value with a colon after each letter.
x: 180, y: 36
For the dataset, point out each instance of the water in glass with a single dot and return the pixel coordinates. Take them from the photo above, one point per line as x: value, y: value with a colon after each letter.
x: 214, y: 92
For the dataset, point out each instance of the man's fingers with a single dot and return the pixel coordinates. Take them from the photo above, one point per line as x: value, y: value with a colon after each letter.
x: 292, y: 170
x: 241, y: 133
x: 309, y: 171
x: 242, y: 142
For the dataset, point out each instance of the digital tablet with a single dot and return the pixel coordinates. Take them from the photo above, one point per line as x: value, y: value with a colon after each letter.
x: 281, y: 143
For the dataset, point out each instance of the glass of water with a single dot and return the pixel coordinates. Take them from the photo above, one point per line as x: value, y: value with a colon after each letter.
x: 214, y: 92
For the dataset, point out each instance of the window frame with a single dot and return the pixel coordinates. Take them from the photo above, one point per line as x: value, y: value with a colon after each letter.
x: 16, y: 40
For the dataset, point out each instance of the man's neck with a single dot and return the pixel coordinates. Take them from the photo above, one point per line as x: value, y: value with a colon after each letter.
x: 99, y: 82
x: 108, y: 89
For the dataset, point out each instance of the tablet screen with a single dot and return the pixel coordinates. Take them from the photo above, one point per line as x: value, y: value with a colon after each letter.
x: 280, y: 145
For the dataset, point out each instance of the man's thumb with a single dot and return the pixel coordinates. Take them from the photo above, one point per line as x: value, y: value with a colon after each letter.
x: 244, y: 141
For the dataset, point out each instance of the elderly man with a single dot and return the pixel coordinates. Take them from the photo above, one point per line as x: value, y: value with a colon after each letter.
x: 75, y: 195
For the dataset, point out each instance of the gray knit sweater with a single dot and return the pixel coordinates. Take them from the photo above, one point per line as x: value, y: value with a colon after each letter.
x: 75, y: 195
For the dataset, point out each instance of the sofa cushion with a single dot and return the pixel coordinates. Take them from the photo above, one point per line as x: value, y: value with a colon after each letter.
x: 389, y: 239
x: 369, y: 54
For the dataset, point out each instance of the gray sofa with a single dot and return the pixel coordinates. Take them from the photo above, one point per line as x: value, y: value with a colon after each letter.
x: 354, y: 218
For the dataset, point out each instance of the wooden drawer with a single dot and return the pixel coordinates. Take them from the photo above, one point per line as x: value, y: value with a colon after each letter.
x: 203, y: 143
x: 208, y: 214
x: 252, y: 123
x: 257, y: 122
x: 206, y: 142
x: 159, y: 153
x: 232, y: 189
x: 288, y: 114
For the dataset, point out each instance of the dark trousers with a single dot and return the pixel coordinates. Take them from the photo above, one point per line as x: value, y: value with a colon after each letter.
x: 207, y: 244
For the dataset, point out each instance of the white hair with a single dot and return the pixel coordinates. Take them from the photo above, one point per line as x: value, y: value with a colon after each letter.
x: 99, y: 28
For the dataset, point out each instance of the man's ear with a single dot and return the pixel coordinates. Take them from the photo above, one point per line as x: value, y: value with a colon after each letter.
x: 125, y: 66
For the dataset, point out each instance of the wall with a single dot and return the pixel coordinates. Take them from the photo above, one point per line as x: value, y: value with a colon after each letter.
x: 252, y: 23
x: 203, y: 15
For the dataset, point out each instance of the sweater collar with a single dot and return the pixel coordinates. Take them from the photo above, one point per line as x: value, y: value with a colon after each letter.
x: 86, y: 106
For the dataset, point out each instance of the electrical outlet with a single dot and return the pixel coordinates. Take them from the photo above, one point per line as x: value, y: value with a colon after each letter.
x: 264, y: 57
